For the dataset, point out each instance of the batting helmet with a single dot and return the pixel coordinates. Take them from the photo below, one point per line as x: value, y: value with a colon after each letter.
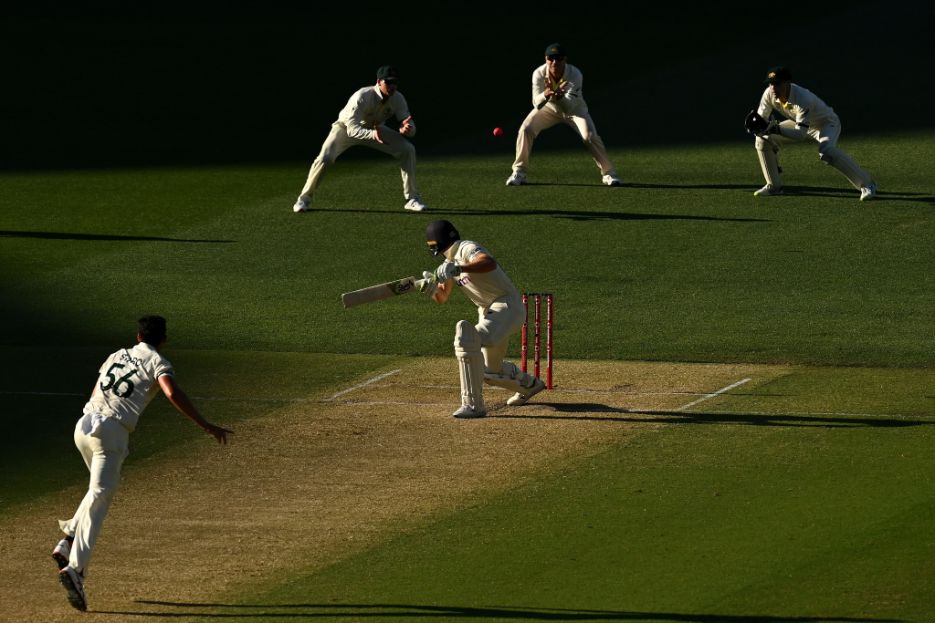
x: 440, y: 235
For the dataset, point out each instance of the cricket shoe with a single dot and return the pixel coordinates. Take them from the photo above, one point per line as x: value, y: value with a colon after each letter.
x: 768, y: 191
x: 414, y: 205
x: 301, y: 205
x: 467, y: 412
x: 74, y: 587
x: 610, y: 180
x: 521, y: 398
x: 868, y: 192
x: 61, y: 553
x: 518, y: 178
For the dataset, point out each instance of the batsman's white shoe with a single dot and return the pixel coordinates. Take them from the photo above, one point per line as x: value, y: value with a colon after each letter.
x: 518, y: 178
x: 521, y: 398
x: 414, y: 205
x: 74, y: 587
x: 768, y: 191
x: 467, y: 411
x: 61, y: 553
x: 610, y: 180
x: 301, y: 205
x: 868, y: 192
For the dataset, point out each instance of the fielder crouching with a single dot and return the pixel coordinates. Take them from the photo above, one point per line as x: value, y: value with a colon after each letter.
x: 806, y: 117
x: 480, y: 348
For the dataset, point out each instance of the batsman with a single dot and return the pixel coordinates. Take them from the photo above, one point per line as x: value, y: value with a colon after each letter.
x: 480, y: 349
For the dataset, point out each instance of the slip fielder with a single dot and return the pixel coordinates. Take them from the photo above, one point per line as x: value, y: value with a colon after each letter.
x: 557, y: 97
x: 362, y: 122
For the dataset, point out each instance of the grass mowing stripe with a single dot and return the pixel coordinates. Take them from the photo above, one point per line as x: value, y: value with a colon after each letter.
x: 710, y: 523
x: 859, y: 272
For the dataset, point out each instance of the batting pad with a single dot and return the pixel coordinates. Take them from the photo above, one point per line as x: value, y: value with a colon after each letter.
x: 510, y: 377
x: 470, y: 364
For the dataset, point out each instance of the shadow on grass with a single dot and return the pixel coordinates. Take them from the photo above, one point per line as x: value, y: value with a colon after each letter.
x: 575, y: 215
x: 416, y: 611
x: 659, y: 416
x: 839, y: 192
x: 52, y: 235
x: 849, y: 194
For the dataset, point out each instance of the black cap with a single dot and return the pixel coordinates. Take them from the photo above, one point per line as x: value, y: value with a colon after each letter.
x: 778, y: 74
x: 440, y: 235
x: 388, y: 73
x: 555, y: 49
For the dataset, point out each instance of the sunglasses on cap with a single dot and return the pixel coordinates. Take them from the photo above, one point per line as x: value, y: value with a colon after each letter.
x: 554, y: 57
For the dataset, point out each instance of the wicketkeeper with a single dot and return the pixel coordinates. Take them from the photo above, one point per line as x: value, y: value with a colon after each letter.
x: 480, y: 348
x: 807, y: 117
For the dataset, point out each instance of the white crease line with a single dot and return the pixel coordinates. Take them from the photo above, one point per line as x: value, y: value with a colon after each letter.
x: 389, y: 403
x: 379, y: 377
x: 563, y: 390
x: 714, y: 395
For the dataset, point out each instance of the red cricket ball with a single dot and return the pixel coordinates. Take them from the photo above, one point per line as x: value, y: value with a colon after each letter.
x: 498, y: 131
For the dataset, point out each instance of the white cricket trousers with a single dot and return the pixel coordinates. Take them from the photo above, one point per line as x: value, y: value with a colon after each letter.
x: 496, y: 324
x: 103, y: 448
x: 544, y: 118
x: 826, y: 136
x: 395, y: 144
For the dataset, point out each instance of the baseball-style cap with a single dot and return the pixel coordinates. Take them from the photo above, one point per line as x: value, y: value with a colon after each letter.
x: 388, y: 73
x: 778, y: 74
x: 555, y: 49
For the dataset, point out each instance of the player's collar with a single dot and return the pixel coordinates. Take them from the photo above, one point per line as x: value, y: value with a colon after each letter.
x: 451, y: 251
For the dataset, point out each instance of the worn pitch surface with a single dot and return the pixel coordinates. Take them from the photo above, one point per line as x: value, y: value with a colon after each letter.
x: 322, y: 478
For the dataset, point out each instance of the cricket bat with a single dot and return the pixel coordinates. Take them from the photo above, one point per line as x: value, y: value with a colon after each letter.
x: 380, y: 291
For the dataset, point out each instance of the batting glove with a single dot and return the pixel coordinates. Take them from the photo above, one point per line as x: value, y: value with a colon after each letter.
x: 428, y: 284
x: 446, y: 271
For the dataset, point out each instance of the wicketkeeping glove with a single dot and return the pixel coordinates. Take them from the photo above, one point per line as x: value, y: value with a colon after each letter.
x: 446, y: 271
x: 755, y: 124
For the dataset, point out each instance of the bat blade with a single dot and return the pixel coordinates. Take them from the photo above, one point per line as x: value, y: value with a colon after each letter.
x: 380, y: 291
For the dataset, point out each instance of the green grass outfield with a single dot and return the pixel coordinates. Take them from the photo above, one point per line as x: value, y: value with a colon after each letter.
x: 683, y: 264
x: 719, y: 517
x: 809, y: 500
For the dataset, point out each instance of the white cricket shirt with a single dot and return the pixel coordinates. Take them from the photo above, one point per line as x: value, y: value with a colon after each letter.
x: 804, y: 107
x: 127, y: 382
x: 366, y: 109
x: 572, y: 103
x: 482, y: 288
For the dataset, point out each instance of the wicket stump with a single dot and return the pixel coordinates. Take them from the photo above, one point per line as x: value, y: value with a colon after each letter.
x: 537, y: 334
